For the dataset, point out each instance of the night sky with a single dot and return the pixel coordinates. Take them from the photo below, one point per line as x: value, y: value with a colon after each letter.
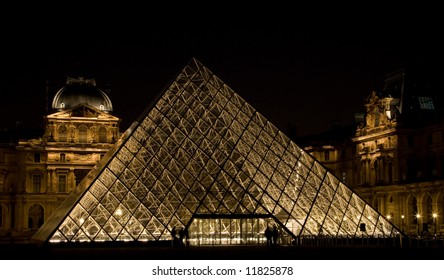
x: 294, y: 68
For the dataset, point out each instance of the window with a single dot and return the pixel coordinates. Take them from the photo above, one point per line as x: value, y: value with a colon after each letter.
x: 344, y: 176
x: 414, y: 210
x: 63, y: 134
x: 62, y: 183
x: 2, y: 183
x: 37, y: 157
x: 327, y: 155
x: 426, y: 103
x: 62, y: 157
x: 376, y: 117
x: 35, y: 216
x: 102, y: 135
x: 36, y: 183
x: 79, y: 174
x: 83, y: 134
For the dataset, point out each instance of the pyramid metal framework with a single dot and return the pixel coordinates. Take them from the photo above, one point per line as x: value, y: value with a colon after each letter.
x: 202, y: 158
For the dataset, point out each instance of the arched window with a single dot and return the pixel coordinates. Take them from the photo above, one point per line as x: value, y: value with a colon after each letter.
x: 102, y: 135
x: 35, y: 216
x: 428, y: 216
x: 63, y: 134
x: 414, y: 210
x: 83, y: 134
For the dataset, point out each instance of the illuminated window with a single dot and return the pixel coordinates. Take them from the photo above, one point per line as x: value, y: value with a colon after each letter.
x: 83, y: 134
x: 426, y: 103
x: 62, y: 105
x: 63, y: 134
x: 102, y: 135
x: 62, y: 183
x: 36, y: 182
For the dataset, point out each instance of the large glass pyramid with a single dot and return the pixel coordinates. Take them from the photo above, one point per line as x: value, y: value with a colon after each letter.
x: 200, y: 157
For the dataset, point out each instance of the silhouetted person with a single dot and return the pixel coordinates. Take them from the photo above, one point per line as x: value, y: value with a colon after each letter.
x: 174, y: 235
x: 181, y: 236
x: 187, y: 241
x: 275, y: 235
x: 268, y: 235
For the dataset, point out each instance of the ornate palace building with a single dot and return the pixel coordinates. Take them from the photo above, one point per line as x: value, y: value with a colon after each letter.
x: 36, y: 175
x: 394, y: 156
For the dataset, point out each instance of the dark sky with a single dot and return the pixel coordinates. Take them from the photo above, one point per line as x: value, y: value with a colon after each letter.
x: 292, y: 67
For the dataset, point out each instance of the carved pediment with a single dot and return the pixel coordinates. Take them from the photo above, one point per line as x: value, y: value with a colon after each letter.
x: 84, y: 111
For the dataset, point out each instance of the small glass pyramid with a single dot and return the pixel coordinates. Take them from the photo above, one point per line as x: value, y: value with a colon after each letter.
x: 201, y: 158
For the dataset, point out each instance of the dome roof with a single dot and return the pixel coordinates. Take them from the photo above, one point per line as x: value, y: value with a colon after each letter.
x: 79, y: 91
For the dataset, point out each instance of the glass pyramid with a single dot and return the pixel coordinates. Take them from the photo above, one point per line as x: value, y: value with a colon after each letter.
x: 200, y: 157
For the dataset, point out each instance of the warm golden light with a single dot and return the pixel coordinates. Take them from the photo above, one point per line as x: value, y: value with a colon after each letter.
x: 418, y: 216
x: 402, y: 216
x: 435, y: 215
x: 158, y: 190
x: 389, y: 217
